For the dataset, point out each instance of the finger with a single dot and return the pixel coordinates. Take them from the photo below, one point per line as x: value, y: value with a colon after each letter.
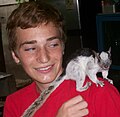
x: 84, y: 112
x: 74, y: 100
x: 81, y: 105
x: 78, y: 107
x: 81, y: 113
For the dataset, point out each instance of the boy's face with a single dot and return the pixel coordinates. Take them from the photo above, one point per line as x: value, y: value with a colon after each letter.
x: 40, y: 52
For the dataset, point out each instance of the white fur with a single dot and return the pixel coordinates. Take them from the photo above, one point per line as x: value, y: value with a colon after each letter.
x: 77, y: 70
x: 82, y: 66
x: 104, y: 56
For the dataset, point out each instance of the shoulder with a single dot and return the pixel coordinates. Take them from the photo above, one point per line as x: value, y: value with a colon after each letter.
x: 94, y: 89
x: 17, y: 102
x: 101, y: 99
x: 25, y: 94
x: 24, y: 91
x: 101, y: 92
x: 108, y: 87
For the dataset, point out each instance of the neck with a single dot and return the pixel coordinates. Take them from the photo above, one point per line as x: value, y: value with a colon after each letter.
x: 40, y: 87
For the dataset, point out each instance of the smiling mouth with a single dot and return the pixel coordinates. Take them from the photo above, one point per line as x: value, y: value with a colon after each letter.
x: 44, y: 69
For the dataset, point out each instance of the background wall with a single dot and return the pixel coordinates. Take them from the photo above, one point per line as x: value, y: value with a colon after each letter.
x: 11, y: 66
x: 2, y: 61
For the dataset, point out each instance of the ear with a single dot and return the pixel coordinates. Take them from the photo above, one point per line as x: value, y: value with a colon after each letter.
x: 96, y: 54
x: 15, y: 57
x: 63, y: 46
x: 109, y: 50
x: 96, y: 59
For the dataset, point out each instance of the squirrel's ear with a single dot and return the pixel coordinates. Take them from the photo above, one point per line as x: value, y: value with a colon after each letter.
x: 109, y: 50
x: 96, y: 54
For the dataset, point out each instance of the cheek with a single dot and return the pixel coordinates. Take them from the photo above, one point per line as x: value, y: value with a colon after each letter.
x: 58, y: 55
x: 59, y: 59
x: 25, y: 61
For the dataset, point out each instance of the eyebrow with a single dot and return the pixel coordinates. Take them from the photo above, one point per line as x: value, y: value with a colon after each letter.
x: 27, y: 42
x: 52, y: 38
x: 34, y: 41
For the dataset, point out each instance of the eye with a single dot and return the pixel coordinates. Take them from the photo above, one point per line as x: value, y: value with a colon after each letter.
x: 53, y: 45
x: 29, y: 49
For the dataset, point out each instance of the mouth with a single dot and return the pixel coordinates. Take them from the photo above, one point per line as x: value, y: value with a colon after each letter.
x: 45, y: 69
x: 106, y: 67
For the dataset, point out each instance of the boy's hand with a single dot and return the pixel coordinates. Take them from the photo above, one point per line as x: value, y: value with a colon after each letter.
x: 75, y: 107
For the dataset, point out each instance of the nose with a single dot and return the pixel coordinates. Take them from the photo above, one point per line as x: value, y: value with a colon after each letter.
x: 43, y: 56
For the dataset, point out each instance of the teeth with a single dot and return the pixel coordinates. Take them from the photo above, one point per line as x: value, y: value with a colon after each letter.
x: 45, y: 68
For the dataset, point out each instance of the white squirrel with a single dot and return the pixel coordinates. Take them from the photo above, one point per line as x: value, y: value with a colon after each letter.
x: 85, y: 62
